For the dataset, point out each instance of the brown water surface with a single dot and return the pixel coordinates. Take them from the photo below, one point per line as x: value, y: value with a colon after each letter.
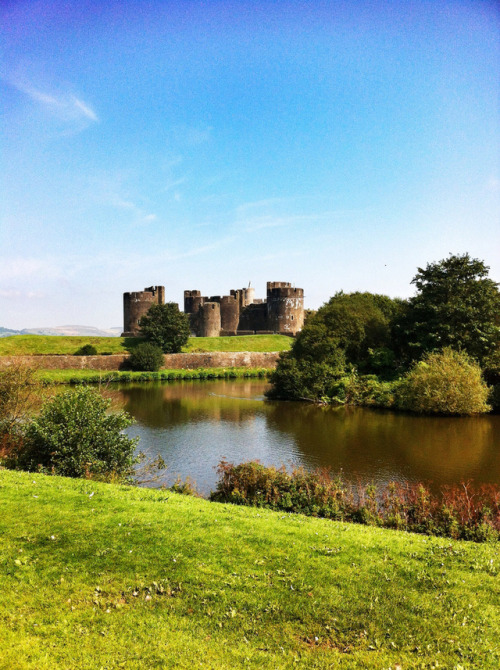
x: 196, y: 424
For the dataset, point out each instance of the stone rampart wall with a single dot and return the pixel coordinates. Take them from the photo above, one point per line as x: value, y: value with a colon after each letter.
x: 216, y: 359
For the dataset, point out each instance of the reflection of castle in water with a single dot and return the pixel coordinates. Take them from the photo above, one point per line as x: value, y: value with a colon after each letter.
x: 239, y: 313
x: 183, y: 403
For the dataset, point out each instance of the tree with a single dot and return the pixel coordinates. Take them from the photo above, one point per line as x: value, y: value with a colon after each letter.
x: 360, y: 322
x: 444, y: 382
x: 456, y: 306
x: 165, y: 326
x: 303, y: 379
x: 75, y: 437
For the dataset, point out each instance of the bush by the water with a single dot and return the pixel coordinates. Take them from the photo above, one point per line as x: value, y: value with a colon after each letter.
x: 75, y: 437
x: 301, y: 379
x: 457, y: 511
x: 18, y: 395
x: 86, y: 350
x: 445, y: 382
x: 146, y: 357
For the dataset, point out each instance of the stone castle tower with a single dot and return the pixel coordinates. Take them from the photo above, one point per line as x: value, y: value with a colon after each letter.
x: 136, y: 304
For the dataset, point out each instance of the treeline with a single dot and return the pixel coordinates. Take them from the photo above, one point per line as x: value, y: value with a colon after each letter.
x: 438, y: 352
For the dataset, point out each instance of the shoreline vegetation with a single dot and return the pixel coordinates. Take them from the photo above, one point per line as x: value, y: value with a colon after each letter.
x: 105, y: 575
x: 75, y: 377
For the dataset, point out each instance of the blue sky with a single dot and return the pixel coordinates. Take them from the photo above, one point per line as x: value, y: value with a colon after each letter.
x: 335, y: 145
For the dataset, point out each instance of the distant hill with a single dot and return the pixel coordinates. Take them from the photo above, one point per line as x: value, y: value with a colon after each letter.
x: 88, y: 331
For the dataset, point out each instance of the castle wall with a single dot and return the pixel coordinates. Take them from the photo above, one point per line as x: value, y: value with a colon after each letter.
x: 136, y: 305
x: 192, y: 301
x: 254, y: 317
x: 187, y: 361
x: 285, y: 308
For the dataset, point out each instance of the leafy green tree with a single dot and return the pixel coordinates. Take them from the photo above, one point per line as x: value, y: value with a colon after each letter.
x: 444, y: 382
x: 456, y: 306
x: 304, y: 379
x: 166, y: 326
x: 75, y: 437
x: 349, y: 330
x: 359, y: 322
x: 146, y: 356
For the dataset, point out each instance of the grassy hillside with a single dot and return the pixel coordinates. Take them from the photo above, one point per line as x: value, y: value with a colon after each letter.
x: 50, y: 344
x: 97, y: 575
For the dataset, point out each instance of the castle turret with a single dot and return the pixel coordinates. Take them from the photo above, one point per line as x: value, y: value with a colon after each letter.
x: 285, y: 308
x: 136, y: 305
x: 209, y: 319
x: 192, y: 301
x: 229, y: 314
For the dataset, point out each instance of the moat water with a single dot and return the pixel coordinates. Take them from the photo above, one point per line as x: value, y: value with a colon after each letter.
x: 194, y: 425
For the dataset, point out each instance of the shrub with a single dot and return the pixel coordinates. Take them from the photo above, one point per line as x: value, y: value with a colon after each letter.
x: 364, y: 390
x: 458, y: 511
x: 146, y: 357
x: 445, y: 382
x: 86, y: 350
x: 18, y: 395
x: 75, y: 437
x: 185, y: 488
x: 298, y: 379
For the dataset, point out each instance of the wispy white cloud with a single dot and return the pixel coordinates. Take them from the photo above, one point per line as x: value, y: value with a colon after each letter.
x: 16, y: 294
x: 173, y: 183
x: 21, y: 268
x: 85, y: 109
x: 65, y: 106
x: 287, y: 212
x: 493, y: 184
x: 191, y: 136
x: 112, y: 191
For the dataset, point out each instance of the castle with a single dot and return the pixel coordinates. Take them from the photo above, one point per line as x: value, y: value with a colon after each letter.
x: 238, y: 313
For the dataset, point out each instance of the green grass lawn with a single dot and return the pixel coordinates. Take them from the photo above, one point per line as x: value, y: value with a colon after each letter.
x: 19, y: 345
x: 103, y: 576
x: 241, y: 343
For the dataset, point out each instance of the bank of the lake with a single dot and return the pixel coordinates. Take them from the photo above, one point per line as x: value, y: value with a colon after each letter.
x: 97, y: 575
x: 87, y: 376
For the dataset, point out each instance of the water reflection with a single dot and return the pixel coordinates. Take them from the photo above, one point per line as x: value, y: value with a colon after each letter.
x: 195, y: 424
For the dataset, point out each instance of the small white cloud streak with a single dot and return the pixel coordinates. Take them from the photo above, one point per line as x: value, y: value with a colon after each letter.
x: 86, y: 110
x: 19, y: 268
x: 493, y: 185
x: 65, y: 106
x: 111, y: 197
x: 175, y: 182
x: 16, y: 294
